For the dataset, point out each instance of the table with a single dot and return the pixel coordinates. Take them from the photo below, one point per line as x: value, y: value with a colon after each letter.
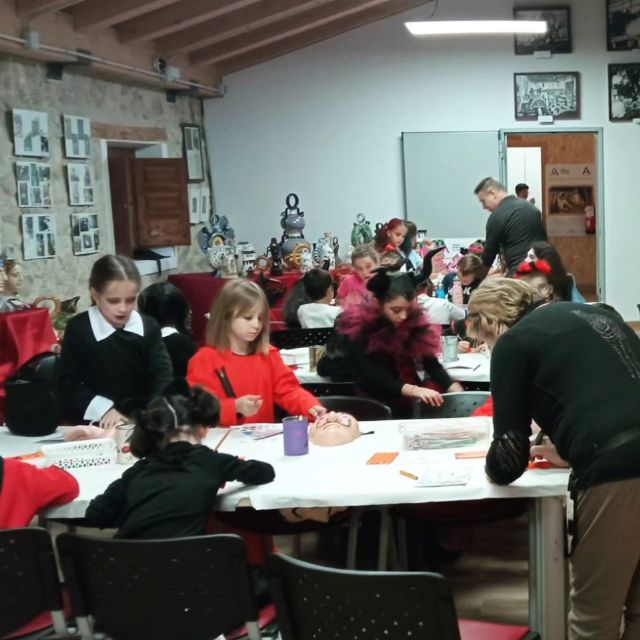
x: 470, y: 367
x: 339, y: 476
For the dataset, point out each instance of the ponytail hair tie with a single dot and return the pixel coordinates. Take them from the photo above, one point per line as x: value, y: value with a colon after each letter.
x: 173, y: 412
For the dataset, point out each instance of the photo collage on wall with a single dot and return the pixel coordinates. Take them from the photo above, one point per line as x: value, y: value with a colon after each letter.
x: 77, y: 137
x: 38, y: 235
x: 30, y: 133
x: 80, y: 179
x: 85, y: 233
x: 34, y: 184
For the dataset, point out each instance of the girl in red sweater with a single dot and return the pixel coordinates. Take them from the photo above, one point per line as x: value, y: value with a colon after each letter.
x: 240, y: 366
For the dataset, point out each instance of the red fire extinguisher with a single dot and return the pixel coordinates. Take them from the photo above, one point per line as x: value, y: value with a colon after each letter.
x: 589, y: 219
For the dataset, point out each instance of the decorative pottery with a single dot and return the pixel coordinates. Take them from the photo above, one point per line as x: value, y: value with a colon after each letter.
x: 361, y: 232
x: 292, y: 222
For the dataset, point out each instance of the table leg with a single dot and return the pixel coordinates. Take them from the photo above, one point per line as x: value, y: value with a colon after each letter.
x: 547, y: 568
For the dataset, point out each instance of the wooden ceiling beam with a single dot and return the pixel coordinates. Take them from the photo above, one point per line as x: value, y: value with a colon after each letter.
x: 28, y: 9
x: 231, y: 24
x: 181, y: 15
x: 323, y: 32
x: 107, y: 13
x: 314, y: 17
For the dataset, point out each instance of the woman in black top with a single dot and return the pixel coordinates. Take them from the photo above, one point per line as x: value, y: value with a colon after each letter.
x: 113, y: 360
x: 165, y: 303
x: 575, y: 370
x: 388, y: 338
x: 170, y: 491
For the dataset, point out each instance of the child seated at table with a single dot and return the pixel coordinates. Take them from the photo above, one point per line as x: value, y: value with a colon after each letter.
x: 353, y: 287
x: 240, y: 366
x: 170, y: 491
x: 25, y: 490
x: 319, y: 313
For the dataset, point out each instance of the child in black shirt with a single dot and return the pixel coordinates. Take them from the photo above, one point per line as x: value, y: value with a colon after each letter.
x: 171, y: 490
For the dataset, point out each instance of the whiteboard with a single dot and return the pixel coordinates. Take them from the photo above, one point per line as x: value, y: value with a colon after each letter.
x: 441, y: 170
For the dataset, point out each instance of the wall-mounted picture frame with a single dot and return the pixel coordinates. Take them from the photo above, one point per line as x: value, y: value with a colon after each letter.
x: 85, y: 233
x: 80, y: 181
x: 38, y: 236
x: 192, y: 135
x: 557, y: 38
x: 77, y: 136
x: 623, y: 25
x: 624, y: 92
x: 30, y: 133
x: 554, y: 94
x: 33, y: 184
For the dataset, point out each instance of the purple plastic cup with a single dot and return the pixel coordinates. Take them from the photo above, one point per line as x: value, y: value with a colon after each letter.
x: 295, y: 431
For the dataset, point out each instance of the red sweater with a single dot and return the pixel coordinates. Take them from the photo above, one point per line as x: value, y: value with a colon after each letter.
x: 257, y: 374
x: 25, y: 490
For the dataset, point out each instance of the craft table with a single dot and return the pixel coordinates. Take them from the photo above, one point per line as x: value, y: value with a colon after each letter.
x: 339, y: 476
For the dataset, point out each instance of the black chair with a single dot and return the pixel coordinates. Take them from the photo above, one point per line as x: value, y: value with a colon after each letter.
x: 321, y: 389
x: 294, y: 338
x: 359, y: 408
x: 318, y: 602
x: 29, y: 585
x: 456, y: 405
x: 196, y: 588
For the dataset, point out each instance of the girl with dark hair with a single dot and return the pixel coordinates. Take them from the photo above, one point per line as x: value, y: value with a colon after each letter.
x: 562, y: 284
x: 165, y: 303
x: 389, y: 337
x: 409, y: 246
x: 113, y: 360
x: 170, y: 491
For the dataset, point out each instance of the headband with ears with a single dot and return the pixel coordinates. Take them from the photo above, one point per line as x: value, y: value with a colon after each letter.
x: 427, y: 267
x: 533, y: 266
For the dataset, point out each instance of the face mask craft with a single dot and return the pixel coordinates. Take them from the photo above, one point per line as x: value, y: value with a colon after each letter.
x: 333, y: 429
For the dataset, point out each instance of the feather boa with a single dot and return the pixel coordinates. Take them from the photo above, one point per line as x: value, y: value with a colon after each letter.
x: 416, y: 338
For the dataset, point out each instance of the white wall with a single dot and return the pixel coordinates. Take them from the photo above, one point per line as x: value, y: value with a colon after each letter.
x: 326, y: 121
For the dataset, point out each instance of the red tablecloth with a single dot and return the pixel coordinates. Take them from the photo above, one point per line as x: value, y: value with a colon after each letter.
x: 200, y: 289
x: 23, y: 335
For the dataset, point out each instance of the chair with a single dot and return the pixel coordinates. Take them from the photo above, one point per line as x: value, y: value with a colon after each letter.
x: 29, y: 583
x: 196, y: 588
x: 319, y: 602
x: 294, y: 338
x: 456, y: 405
x: 321, y: 389
x: 360, y: 408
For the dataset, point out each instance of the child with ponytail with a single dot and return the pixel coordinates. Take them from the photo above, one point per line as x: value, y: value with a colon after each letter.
x: 170, y: 491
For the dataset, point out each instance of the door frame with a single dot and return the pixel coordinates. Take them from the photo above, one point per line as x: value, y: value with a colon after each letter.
x: 600, y: 215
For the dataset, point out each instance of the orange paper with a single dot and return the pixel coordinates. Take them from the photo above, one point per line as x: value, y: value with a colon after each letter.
x: 469, y: 455
x: 383, y: 458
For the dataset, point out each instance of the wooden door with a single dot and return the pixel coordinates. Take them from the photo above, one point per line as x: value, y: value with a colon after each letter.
x: 123, y: 200
x: 162, y: 204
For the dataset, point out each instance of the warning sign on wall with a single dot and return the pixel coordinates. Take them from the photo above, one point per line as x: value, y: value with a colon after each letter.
x: 571, y: 198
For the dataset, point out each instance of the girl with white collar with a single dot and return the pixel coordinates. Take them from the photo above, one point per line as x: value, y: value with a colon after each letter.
x: 113, y: 360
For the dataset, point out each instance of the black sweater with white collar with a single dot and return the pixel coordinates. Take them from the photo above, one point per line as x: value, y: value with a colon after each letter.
x: 125, y: 367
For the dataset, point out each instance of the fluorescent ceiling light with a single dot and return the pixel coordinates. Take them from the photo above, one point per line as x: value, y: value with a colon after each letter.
x: 462, y: 27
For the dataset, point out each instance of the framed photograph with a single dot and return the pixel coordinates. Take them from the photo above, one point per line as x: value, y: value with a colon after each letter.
x: 33, y: 180
x: 77, y: 136
x: 30, y: 133
x: 624, y: 92
x: 547, y: 94
x: 85, y: 233
x: 193, y: 152
x: 571, y: 199
x: 38, y: 235
x: 623, y: 25
x: 557, y: 39
x: 80, y: 179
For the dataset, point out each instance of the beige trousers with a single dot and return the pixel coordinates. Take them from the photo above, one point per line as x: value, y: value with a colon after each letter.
x: 605, y: 565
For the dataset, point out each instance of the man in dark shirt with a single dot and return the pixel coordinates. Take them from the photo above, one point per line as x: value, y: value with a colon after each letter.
x: 514, y: 224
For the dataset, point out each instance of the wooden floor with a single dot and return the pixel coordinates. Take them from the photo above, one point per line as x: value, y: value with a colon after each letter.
x: 490, y: 578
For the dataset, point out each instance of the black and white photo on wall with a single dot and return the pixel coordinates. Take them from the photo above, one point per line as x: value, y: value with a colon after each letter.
x: 77, y: 137
x: 33, y: 184
x: 624, y: 92
x: 557, y: 38
x: 85, y: 233
x: 554, y: 94
x: 80, y: 179
x: 193, y: 152
x: 623, y: 25
x: 30, y: 133
x: 38, y: 236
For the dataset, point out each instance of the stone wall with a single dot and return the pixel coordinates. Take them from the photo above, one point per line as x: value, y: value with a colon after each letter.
x: 24, y: 86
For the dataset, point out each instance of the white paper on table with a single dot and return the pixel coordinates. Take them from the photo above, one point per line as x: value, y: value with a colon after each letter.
x: 441, y: 475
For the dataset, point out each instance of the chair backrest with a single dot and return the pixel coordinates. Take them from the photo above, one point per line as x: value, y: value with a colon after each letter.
x: 196, y: 588
x: 359, y: 408
x: 319, y: 602
x: 294, y: 338
x: 320, y: 389
x: 456, y: 405
x: 28, y: 577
